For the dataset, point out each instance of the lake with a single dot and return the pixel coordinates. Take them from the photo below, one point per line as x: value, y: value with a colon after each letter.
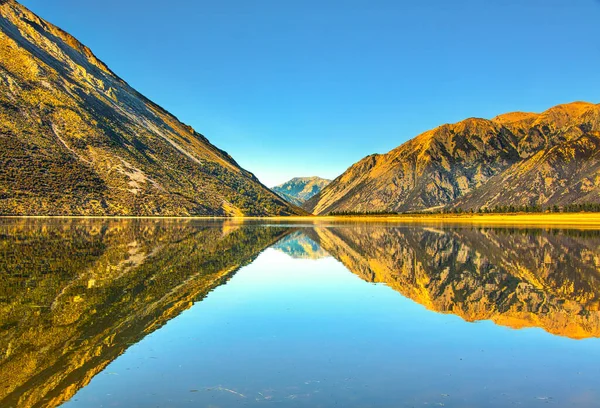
x: 191, y: 313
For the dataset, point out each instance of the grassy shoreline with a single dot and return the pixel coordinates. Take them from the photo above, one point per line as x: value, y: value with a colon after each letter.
x: 592, y: 219
x: 496, y: 218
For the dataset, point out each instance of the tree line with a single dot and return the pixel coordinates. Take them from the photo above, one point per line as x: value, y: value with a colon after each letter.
x: 498, y: 209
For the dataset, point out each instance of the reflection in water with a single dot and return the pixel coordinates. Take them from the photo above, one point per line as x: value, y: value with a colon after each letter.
x: 75, y: 294
x: 298, y: 245
x: 516, y: 278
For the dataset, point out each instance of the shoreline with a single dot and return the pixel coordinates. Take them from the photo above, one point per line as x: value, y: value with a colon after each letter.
x: 591, y: 219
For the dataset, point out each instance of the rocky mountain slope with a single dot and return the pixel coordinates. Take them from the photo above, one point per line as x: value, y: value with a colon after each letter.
x: 515, y: 278
x: 300, y: 189
x: 552, y: 158
x: 77, y: 139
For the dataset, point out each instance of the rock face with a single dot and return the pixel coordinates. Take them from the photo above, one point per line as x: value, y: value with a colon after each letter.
x: 300, y: 189
x: 552, y: 158
x: 76, y: 139
x: 515, y: 278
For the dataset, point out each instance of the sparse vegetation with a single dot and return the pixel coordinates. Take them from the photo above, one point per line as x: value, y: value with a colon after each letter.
x: 76, y: 140
x: 361, y: 213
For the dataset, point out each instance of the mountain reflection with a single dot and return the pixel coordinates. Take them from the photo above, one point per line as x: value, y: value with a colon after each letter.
x: 298, y: 245
x: 513, y: 277
x: 74, y: 294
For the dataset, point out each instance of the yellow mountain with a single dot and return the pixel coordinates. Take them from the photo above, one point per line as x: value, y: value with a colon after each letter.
x: 75, y: 139
x: 546, y: 159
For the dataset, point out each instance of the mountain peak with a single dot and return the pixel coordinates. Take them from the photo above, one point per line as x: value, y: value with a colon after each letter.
x: 300, y: 189
x: 516, y: 159
x: 513, y: 117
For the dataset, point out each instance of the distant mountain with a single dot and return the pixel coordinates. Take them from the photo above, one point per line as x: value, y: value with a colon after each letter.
x: 300, y: 189
x: 552, y: 158
x: 75, y: 139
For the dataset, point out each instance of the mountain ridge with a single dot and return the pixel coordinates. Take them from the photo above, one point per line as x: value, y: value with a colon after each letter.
x: 300, y: 189
x: 441, y: 166
x: 76, y: 139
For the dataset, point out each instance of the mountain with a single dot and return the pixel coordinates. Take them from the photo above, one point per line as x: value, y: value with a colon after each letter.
x: 75, y: 139
x: 516, y: 278
x: 64, y: 320
x: 300, y: 189
x: 552, y: 158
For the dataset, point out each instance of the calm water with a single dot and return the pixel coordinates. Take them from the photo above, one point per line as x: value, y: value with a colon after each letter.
x: 166, y: 313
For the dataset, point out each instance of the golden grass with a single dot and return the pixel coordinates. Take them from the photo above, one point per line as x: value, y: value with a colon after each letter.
x: 516, y: 219
x: 509, y: 218
x: 578, y: 220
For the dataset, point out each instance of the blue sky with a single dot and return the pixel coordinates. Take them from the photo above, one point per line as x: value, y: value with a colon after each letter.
x: 300, y: 88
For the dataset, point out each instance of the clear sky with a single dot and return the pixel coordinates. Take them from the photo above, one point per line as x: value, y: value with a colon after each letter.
x: 308, y: 87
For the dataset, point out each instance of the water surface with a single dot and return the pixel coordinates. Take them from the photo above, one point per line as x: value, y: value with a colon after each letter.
x: 186, y: 313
